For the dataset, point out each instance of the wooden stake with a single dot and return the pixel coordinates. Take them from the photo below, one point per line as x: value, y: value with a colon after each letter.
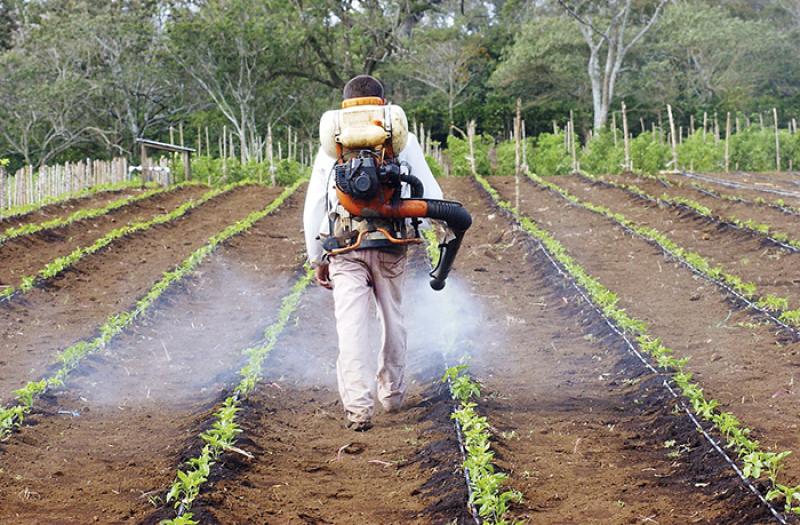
x: 777, y: 140
x: 471, y: 140
x: 673, y: 139
x: 614, y: 126
x: 626, y: 138
x: 517, y: 152
x: 270, y: 155
x: 728, y: 144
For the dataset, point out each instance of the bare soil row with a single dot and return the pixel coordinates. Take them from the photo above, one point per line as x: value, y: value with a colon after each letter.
x: 26, y: 255
x: 100, y: 448
x: 775, y: 270
x: 66, y: 208
x: 776, y: 219
x: 739, y: 360
x: 72, y: 306
x: 747, y: 186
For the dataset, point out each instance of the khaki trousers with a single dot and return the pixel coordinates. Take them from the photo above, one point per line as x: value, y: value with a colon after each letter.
x: 359, y: 277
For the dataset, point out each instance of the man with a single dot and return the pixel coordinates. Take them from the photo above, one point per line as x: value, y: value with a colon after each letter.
x: 359, y: 277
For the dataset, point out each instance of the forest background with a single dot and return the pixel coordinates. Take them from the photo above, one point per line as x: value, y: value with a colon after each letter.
x: 85, y: 78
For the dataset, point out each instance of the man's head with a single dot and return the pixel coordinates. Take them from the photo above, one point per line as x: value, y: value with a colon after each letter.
x: 363, y: 86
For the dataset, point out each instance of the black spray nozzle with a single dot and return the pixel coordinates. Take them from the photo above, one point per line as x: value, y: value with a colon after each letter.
x: 458, y: 220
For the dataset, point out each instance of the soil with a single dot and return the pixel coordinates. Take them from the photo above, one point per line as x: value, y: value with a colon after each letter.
x: 775, y: 270
x: 581, y: 425
x: 66, y: 208
x: 71, y: 307
x: 97, y: 450
x: 309, y: 469
x: 753, y: 186
x: 776, y: 219
x: 584, y: 431
x: 28, y: 254
x: 737, y: 358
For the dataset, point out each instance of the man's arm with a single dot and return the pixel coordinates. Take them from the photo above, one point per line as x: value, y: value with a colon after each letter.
x: 415, y: 157
x: 314, y: 211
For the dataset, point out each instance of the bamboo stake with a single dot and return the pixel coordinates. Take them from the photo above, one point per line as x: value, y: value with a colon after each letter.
x: 777, y: 140
x: 728, y: 144
x: 673, y: 139
x: 517, y: 152
x: 626, y: 138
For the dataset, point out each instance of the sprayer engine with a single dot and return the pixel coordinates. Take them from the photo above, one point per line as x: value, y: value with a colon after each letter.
x: 363, y: 176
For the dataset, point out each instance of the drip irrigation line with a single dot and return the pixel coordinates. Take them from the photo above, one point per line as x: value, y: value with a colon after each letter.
x: 737, y: 185
x: 683, y: 262
x: 713, y: 218
x: 631, y: 347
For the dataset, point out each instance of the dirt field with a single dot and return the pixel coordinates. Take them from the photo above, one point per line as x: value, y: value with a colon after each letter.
x: 584, y: 430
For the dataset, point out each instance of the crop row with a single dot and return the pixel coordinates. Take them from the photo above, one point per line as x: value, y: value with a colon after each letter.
x: 224, y: 429
x: 13, y: 416
x: 757, y: 463
x: 60, y: 264
x: 776, y: 308
x: 749, y: 225
x: 28, y: 208
x: 486, y: 491
x: 777, y: 204
x: 86, y: 213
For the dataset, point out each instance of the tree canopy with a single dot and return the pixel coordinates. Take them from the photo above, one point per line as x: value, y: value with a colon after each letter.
x: 86, y: 78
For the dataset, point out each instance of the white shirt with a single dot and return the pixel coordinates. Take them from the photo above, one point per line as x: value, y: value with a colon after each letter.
x: 322, y: 185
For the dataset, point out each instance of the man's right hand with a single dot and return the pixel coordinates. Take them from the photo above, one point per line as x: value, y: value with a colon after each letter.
x: 322, y: 273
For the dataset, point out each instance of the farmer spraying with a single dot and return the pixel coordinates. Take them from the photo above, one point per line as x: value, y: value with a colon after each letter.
x: 369, y: 191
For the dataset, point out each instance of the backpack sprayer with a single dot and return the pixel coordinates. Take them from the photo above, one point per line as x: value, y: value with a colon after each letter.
x: 365, y: 137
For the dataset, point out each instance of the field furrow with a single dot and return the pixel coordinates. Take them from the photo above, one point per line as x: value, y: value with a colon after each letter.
x: 129, y: 414
x: 309, y: 468
x: 26, y: 255
x: 777, y: 220
x: 771, y: 269
x: 75, y: 304
x: 16, y: 217
x: 571, y: 405
x: 732, y: 355
x: 743, y: 186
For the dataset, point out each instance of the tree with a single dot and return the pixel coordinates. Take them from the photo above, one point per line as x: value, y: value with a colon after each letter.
x: 445, y: 61
x: 344, y: 38
x: 138, y: 89
x: 234, y: 50
x: 604, y: 25
x: 7, y: 25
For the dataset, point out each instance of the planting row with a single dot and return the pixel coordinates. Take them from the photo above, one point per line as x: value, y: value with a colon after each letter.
x: 777, y: 307
x: 49, y: 205
x: 125, y: 418
x: 84, y: 214
x: 62, y: 263
x: 758, y: 462
x: 13, y: 416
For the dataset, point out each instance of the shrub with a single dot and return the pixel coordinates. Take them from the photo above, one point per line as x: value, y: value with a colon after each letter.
x: 648, y: 155
x: 701, y: 153
x: 549, y: 156
x: 436, y: 168
x: 602, y: 156
x: 458, y: 149
x: 506, y: 156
